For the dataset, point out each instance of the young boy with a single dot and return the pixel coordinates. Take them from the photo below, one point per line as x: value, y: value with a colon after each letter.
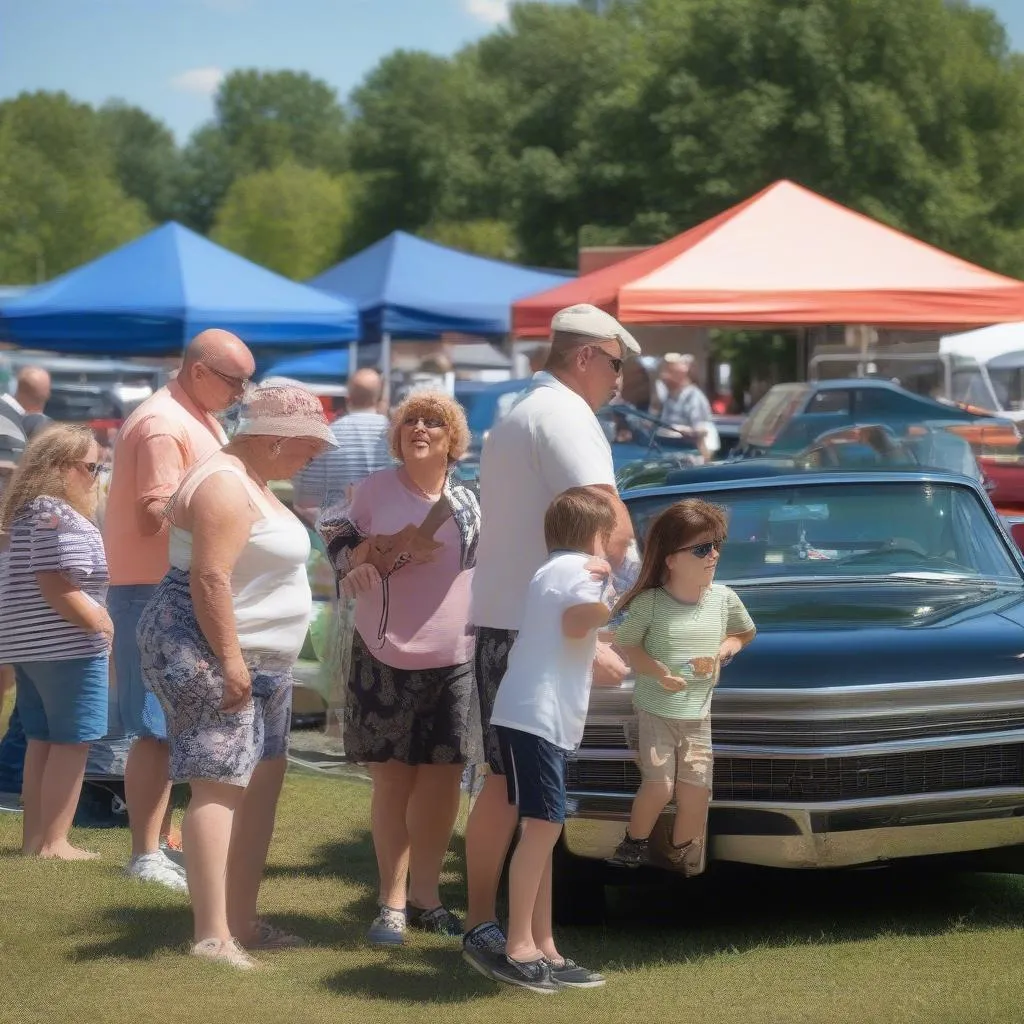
x: 539, y: 713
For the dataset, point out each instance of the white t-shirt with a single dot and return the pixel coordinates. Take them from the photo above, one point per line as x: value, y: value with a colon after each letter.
x: 550, y: 441
x: 546, y: 688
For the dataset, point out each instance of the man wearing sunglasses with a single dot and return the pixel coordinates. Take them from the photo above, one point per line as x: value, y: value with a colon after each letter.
x: 548, y: 442
x: 161, y: 440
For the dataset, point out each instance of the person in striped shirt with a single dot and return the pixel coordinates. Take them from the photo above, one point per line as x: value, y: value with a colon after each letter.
x: 679, y: 628
x: 54, y: 626
x: 363, y: 449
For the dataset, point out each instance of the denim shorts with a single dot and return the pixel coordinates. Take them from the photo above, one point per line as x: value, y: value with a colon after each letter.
x: 534, y: 774
x: 138, y: 711
x: 64, y: 701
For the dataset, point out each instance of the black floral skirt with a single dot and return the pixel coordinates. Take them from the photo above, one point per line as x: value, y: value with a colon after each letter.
x: 416, y: 716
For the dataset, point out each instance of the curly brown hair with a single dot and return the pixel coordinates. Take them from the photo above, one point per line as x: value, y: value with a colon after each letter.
x: 432, y: 403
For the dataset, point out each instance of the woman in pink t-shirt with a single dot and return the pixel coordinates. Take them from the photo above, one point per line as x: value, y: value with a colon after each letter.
x: 405, y: 550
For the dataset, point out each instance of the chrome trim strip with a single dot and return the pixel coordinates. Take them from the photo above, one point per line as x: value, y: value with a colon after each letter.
x: 907, y: 746
x: 986, y: 797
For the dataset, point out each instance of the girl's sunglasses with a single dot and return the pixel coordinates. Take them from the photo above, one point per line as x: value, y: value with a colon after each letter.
x: 702, y: 550
x: 92, y: 468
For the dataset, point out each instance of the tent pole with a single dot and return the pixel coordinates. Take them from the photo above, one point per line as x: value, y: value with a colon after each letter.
x: 385, y: 366
x: 353, y: 356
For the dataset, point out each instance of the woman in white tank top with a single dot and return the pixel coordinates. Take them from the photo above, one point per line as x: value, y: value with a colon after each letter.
x: 218, y: 641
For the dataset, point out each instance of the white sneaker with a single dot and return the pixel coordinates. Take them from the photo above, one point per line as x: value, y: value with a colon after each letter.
x: 230, y: 953
x: 174, y: 857
x: 155, y: 867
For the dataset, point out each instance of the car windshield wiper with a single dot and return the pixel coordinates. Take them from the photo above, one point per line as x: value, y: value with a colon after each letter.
x: 943, y: 576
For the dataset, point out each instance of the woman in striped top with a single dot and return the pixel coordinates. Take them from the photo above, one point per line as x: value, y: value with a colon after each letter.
x: 54, y: 627
x: 679, y: 628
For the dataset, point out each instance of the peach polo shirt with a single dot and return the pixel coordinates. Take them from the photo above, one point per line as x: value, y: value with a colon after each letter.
x: 158, y: 443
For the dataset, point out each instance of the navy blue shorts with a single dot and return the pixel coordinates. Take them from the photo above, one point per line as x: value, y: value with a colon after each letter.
x: 534, y: 774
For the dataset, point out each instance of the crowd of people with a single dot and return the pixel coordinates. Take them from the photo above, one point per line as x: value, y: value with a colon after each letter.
x: 478, y: 631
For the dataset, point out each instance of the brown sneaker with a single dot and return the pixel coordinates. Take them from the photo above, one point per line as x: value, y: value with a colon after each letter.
x: 229, y: 952
x: 686, y: 856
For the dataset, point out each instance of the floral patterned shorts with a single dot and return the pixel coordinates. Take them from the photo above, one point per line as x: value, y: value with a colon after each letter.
x: 179, y: 667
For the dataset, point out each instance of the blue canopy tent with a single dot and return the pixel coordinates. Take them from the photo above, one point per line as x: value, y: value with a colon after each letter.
x: 330, y: 366
x: 151, y: 296
x: 408, y: 287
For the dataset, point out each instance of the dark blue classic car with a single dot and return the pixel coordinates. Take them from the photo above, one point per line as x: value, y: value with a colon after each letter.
x: 879, y: 713
x: 791, y: 416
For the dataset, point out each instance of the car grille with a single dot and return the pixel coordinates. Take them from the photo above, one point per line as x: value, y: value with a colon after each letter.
x: 830, y: 779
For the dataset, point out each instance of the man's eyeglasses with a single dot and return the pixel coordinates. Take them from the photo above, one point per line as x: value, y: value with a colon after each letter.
x: 239, y: 383
x: 702, y: 550
x: 430, y: 422
x: 616, y: 363
x: 92, y: 468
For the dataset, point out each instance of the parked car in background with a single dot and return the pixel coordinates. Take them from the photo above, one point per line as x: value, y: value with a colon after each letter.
x: 87, y: 390
x: 876, y: 716
x: 790, y: 416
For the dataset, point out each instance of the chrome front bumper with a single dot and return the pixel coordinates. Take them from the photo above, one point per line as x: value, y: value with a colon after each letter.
x: 823, y: 835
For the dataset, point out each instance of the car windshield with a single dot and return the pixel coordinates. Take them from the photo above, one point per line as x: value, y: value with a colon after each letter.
x: 872, y: 529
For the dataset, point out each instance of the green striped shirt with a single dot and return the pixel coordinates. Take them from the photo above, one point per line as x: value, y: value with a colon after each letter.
x: 675, y: 633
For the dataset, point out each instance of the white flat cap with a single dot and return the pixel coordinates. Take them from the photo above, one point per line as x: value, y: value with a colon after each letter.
x: 592, y: 322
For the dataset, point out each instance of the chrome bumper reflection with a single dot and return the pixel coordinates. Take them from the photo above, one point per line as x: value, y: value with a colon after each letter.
x: 823, y: 835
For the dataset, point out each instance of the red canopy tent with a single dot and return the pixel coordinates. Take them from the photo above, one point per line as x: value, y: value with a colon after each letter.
x: 787, y: 256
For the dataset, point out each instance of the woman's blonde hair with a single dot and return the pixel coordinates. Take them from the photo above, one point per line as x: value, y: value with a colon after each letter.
x: 41, y: 470
x: 432, y: 403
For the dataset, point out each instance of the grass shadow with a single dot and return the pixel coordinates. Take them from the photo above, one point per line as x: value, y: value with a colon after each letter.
x: 417, y: 975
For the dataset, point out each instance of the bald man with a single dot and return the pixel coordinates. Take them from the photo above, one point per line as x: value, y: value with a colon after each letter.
x: 161, y: 440
x: 25, y: 406
x: 363, y: 448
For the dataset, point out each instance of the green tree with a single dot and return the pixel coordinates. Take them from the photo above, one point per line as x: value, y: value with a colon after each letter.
x: 146, y: 157
x: 274, y: 117
x: 261, y: 120
x: 494, y: 238
x: 428, y: 137
x: 290, y: 219
x: 60, y: 202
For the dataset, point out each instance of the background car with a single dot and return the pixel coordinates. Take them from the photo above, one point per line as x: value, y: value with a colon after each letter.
x: 877, y: 714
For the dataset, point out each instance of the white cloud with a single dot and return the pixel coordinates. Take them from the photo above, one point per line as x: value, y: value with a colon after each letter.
x: 493, y: 12
x: 199, y: 81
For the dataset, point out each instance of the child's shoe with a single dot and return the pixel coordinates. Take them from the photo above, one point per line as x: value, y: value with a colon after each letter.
x: 569, y: 974
x: 388, y: 928
x: 686, y: 856
x: 631, y: 853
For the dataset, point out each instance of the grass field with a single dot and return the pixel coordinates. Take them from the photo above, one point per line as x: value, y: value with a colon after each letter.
x: 79, y: 943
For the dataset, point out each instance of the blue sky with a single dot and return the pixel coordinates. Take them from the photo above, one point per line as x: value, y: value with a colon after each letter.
x: 167, y: 56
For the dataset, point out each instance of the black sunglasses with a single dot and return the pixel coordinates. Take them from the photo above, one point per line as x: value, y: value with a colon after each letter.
x: 701, y: 550
x: 614, y: 360
x: 92, y: 468
x: 236, y: 382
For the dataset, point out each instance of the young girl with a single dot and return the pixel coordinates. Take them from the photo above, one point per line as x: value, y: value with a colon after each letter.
x: 679, y: 628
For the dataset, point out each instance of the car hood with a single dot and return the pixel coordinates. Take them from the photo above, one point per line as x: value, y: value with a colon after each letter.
x: 857, y: 634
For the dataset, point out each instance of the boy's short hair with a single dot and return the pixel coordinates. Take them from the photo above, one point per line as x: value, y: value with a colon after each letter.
x: 576, y: 516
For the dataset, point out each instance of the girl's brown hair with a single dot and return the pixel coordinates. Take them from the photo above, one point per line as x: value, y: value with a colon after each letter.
x: 41, y: 470
x: 677, y: 527
x: 432, y: 403
x: 576, y: 516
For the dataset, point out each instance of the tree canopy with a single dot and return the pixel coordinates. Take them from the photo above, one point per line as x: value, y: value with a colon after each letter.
x: 605, y: 121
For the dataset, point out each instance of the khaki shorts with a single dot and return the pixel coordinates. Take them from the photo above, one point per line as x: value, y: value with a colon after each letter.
x: 674, y: 749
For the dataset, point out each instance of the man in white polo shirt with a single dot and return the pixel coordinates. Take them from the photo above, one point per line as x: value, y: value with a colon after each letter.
x: 549, y: 441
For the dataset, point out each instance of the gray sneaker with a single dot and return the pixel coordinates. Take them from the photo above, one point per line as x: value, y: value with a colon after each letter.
x: 483, y: 948
x: 569, y: 974
x: 534, y: 975
x: 388, y: 928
